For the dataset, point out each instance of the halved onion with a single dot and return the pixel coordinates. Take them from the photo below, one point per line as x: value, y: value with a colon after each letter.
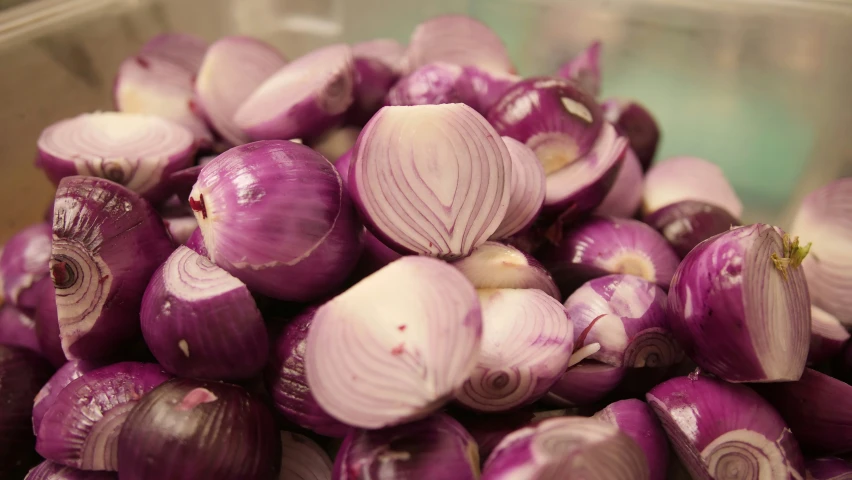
x: 739, y: 306
x: 528, y: 186
x: 585, y: 69
x: 394, y: 347
x: 303, y: 98
x: 134, y: 150
x: 378, y: 64
x: 23, y: 262
x: 457, y: 39
x: 527, y: 340
x: 431, y: 179
x: 687, y: 223
x: 636, y: 420
x: 47, y: 323
x: 626, y: 316
x: 184, y: 50
x: 489, y: 429
x: 195, y: 242
x: 828, y: 336
x: 17, y: 329
x: 625, y: 196
x: 584, y: 384
x: 107, y: 242
x: 481, y: 88
x: 50, y: 391
x: 232, y: 69
x: 303, y: 459
x: 635, y: 122
x: 495, y: 265
x: 688, y: 178
x: 431, y: 84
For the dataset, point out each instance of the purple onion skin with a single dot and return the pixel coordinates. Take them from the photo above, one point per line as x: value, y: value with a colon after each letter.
x: 585, y: 69
x: 23, y: 262
x: 100, y: 225
x: 184, y: 50
x: 373, y: 80
x: 488, y: 430
x: 625, y: 196
x: 636, y: 123
x: 585, y: 384
x: 50, y: 391
x: 180, y: 182
x: 22, y: 373
x: 48, y: 470
x: 636, y: 419
x: 285, y: 379
x: 436, y: 447
x: 828, y: 337
x: 431, y: 84
x: 17, y: 329
x: 829, y: 468
x: 102, y: 395
x: 687, y: 223
x: 482, y: 89
x: 47, y: 323
x: 196, y: 243
x: 197, y: 429
x: 709, y: 313
x: 374, y: 256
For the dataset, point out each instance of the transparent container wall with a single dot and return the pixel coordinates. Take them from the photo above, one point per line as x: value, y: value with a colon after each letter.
x: 759, y: 87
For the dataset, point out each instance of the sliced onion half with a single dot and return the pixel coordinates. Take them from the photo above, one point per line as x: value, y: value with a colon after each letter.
x: 687, y: 223
x: 634, y: 121
x: 135, y: 150
x: 688, y: 178
x: 50, y: 391
x: 431, y: 179
x: 23, y: 262
x: 528, y: 187
x: 394, y: 347
x: 636, y: 419
x: 303, y: 459
x: 828, y: 336
x: 431, y: 84
x: 585, y: 69
x: 625, y: 196
x: 184, y: 50
x: 457, y: 39
x: 495, y: 265
x: 378, y: 65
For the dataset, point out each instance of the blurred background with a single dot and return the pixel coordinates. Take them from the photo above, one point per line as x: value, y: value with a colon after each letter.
x: 760, y: 87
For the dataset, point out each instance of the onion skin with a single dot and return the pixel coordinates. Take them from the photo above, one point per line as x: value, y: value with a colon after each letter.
x: 585, y: 384
x: 456, y: 171
x: 249, y: 189
x: 201, y: 322
x: 302, y: 459
x: 48, y: 470
x: 435, y: 447
x: 232, y: 69
x: 688, y: 178
x: 818, y: 409
x: 457, y: 39
x: 22, y: 373
x: 17, y: 329
x: 636, y: 420
x: 830, y: 468
x: 528, y: 186
x: 626, y: 316
x: 198, y: 429
x: 635, y: 122
x: 139, y: 151
x: 286, y: 382
x: 107, y: 242
x: 47, y: 323
x: 585, y: 69
x: 488, y: 430
x: 625, y: 196
x: 184, y: 50
x: 81, y: 428
x: 481, y: 88
x: 715, y: 428
x: 303, y: 98
x: 567, y: 447
x: 431, y: 84
x: 23, y: 262
x: 495, y: 265
x: 377, y: 67
x: 180, y: 228
x: 825, y: 215
x: 195, y: 242
x: 828, y: 336
x: 687, y: 223
x: 49, y: 392
x: 605, y: 245
x: 728, y: 298
x: 527, y: 340
x: 389, y: 367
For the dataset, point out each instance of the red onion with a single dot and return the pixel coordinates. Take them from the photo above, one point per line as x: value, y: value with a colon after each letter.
x: 636, y: 420
x: 378, y: 65
x: 431, y: 179
x: 81, y: 428
x: 527, y: 340
x: 17, y: 329
x: 49, y: 392
x: 374, y: 367
x: 302, y: 459
x: 625, y: 196
x: 374, y: 256
x: 137, y: 151
x: 107, y: 242
x: 286, y: 382
x: 431, y: 84
x: 604, y: 245
x: 584, y: 384
x: 47, y: 323
x: 154, y: 85
x: 197, y: 429
x: 195, y: 242
x: 724, y: 431
x: 481, y: 88
x: 183, y: 50
x: 303, y: 98
x: 488, y: 430
x: 495, y: 265
x: 830, y: 468
x: 585, y: 69
x: 201, y: 322
x: 828, y: 336
x: 48, y: 470
x: 457, y: 39
x: 688, y: 178
x: 275, y: 215
x: 825, y: 215
x: 22, y: 373
x: 626, y: 316
x: 567, y: 447
x: 687, y: 223
x: 180, y: 228
x: 637, y: 124
x: 817, y: 408
x: 739, y: 306
x: 436, y: 448
x: 527, y: 185
x: 23, y: 262
x: 233, y: 68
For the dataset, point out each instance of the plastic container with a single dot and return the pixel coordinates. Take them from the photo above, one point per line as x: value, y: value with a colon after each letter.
x: 760, y: 87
